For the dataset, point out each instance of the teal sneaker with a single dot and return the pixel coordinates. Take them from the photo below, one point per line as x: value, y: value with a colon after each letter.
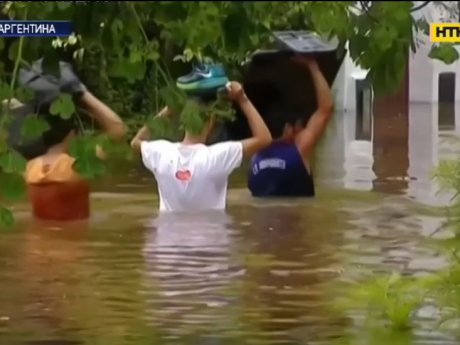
x: 203, y: 77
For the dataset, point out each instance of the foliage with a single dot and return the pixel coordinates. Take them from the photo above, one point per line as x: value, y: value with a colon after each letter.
x: 376, y: 336
x: 388, y: 299
x: 444, y: 52
x: 445, y: 285
x: 395, y: 299
x: 129, y: 53
x: 448, y: 177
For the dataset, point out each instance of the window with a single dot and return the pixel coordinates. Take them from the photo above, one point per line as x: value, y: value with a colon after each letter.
x: 363, y: 110
x: 446, y: 101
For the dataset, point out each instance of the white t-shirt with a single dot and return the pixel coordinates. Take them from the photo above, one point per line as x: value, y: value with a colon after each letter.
x: 191, y: 177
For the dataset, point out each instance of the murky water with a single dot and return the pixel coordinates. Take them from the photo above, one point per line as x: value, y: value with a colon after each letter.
x: 256, y: 274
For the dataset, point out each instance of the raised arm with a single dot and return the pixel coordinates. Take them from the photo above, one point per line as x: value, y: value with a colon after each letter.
x: 143, y: 133
x: 316, y: 126
x: 261, y: 136
x: 110, y: 122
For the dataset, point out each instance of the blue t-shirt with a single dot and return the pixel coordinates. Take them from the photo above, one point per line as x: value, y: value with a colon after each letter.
x: 279, y: 170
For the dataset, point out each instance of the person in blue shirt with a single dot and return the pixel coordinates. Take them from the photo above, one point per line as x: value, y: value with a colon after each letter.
x: 284, y: 168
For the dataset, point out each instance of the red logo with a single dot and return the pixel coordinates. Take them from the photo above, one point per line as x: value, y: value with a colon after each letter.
x: 184, y: 175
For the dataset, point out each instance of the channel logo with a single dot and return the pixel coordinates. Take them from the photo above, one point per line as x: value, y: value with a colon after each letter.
x: 445, y: 32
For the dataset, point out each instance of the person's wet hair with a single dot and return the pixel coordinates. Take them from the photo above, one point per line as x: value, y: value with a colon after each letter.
x: 277, y: 113
x: 277, y: 116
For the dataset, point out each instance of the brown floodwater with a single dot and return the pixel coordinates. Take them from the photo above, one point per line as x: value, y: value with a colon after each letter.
x: 259, y: 273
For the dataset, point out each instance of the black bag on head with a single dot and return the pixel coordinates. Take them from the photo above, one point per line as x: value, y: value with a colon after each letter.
x: 46, y: 88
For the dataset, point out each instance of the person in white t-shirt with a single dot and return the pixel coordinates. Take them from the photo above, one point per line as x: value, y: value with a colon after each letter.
x: 193, y: 176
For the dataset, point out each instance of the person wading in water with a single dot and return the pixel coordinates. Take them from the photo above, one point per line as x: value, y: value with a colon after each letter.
x: 191, y: 175
x: 283, y: 169
x: 56, y: 191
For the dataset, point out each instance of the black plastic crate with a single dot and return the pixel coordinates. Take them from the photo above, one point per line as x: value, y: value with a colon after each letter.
x: 278, y: 86
x: 303, y: 42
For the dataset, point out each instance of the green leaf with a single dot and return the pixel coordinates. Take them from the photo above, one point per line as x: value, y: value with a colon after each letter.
x: 3, y: 140
x: 116, y: 26
x: 174, y: 98
x: 63, y: 106
x: 24, y: 94
x: 423, y: 25
x: 135, y: 55
x: 5, y: 92
x: 191, y: 117
x: 382, y: 38
x: 6, y: 217
x: 87, y: 164
x: 89, y: 167
x: 2, y: 43
x: 227, y: 114
x: 413, y: 45
x: 113, y: 148
x: 126, y: 69
x: 160, y: 126
x: 12, y: 162
x: 33, y: 127
x: 446, y: 53
x: 78, y: 147
x: 233, y: 29
x: 151, y: 51
x: 12, y: 186
x: 357, y: 45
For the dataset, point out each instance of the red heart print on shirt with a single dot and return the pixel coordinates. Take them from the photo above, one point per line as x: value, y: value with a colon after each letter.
x: 183, y: 175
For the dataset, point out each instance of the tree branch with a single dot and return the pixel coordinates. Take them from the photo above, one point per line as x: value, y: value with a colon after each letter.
x: 419, y: 7
x: 367, y: 10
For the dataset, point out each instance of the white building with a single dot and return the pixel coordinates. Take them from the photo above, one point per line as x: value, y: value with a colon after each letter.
x: 427, y: 123
x: 423, y: 71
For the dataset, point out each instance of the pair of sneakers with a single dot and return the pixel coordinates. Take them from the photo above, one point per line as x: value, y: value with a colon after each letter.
x: 202, y: 78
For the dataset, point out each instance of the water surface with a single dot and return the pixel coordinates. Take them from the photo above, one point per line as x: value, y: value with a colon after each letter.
x: 258, y: 273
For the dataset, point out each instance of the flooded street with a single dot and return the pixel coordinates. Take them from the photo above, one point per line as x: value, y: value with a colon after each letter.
x: 258, y: 274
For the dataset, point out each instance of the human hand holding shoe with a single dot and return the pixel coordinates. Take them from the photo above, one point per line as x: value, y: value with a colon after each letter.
x: 235, y: 91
